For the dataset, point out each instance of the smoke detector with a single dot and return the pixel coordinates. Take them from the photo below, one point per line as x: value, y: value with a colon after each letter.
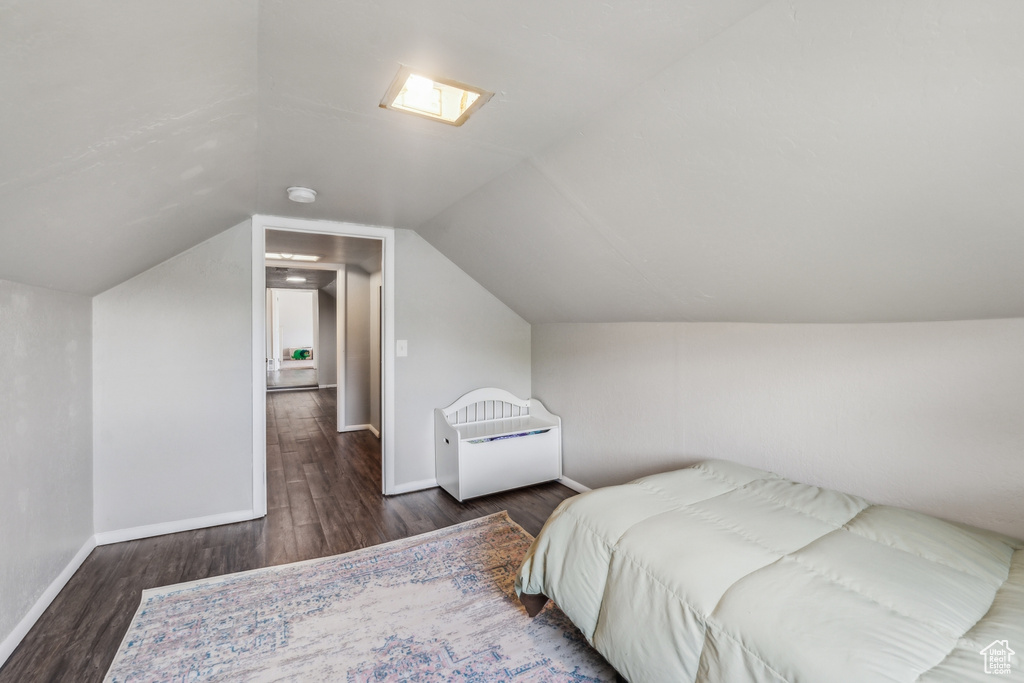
x: 302, y: 195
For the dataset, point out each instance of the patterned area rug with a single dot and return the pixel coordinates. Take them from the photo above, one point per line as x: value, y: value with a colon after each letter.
x: 436, y: 607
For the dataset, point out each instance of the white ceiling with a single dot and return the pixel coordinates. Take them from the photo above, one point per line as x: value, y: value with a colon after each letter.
x: 817, y: 162
x: 737, y: 160
x: 277, y: 278
x: 332, y: 249
x: 128, y: 134
x: 551, y: 64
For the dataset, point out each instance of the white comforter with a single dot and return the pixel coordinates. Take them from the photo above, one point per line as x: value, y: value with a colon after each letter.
x: 721, y: 573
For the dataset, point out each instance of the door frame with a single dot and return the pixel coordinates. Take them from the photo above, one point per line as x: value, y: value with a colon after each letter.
x: 260, y: 223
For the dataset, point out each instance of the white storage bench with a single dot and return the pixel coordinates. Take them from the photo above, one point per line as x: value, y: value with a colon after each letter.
x: 489, y: 441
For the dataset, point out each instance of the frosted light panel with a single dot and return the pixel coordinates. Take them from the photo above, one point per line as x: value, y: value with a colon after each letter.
x: 445, y: 101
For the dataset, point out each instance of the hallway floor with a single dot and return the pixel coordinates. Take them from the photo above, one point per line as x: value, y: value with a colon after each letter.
x: 291, y: 378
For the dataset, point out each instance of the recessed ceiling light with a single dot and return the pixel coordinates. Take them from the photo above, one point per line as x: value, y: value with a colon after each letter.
x: 304, y: 257
x: 302, y: 195
x: 295, y: 278
x: 439, y: 99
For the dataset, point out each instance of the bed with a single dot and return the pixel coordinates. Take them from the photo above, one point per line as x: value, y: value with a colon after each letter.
x: 724, y: 573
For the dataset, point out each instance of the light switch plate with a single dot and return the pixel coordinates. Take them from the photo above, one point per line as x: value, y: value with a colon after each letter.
x: 402, y: 347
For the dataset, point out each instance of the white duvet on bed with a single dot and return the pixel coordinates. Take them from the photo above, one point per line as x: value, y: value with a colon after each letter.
x: 723, y: 573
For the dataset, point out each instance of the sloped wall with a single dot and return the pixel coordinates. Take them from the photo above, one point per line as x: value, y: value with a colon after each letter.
x: 820, y: 162
x: 927, y: 416
x: 173, y: 389
x: 460, y: 338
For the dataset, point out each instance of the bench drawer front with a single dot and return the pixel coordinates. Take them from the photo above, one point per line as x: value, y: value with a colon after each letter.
x: 509, y: 463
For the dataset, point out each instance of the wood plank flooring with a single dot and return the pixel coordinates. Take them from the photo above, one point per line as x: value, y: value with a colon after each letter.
x: 324, y: 498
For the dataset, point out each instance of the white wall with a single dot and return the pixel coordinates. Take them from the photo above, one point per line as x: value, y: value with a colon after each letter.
x: 45, y: 445
x: 295, y: 319
x: 172, y: 393
x: 375, y: 367
x: 460, y: 338
x: 357, y: 347
x: 928, y: 416
x: 327, y: 343
x: 134, y: 136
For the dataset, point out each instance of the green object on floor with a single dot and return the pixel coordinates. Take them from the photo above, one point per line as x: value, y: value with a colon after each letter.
x: 301, y: 354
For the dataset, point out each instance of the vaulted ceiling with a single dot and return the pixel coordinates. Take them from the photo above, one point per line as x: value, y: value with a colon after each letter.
x: 735, y: 160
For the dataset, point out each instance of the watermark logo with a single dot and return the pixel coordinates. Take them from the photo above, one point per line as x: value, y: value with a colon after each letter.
x: 997, y: 657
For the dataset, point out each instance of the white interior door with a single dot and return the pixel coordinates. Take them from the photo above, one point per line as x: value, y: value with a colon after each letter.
x: 268, y: 335
x: 340, y: 318
x: 315, y: 302
x: 275, y: 327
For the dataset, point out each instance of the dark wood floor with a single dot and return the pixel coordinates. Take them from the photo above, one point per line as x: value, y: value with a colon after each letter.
x: 323, y: 498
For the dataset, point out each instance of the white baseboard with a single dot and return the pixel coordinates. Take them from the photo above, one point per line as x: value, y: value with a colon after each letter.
x: 356, y: 428
x: 15, y: 637
x: 413, y: 486
x: 134, y: 533
x: 574, y: 485
x: 328, y: 386
x: 374, y: 430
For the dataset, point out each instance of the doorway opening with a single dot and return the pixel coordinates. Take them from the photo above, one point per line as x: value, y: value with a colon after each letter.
x: 293, y: 335
x: 346, y: 272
